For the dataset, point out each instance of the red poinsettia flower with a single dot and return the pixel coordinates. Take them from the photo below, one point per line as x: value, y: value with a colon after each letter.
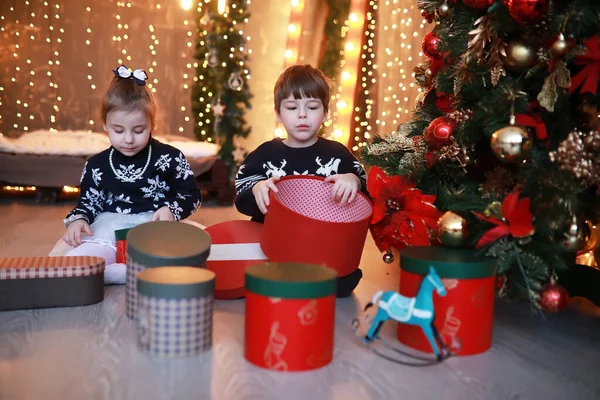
x: 402, y: 215
x: 517, y: 220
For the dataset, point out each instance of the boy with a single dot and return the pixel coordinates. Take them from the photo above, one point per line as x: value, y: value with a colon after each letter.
x: 301, y: 97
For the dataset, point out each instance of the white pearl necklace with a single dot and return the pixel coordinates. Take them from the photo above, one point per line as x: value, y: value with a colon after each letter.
x: 128, y: 174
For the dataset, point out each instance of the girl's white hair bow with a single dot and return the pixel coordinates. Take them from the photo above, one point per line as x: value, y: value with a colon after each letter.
x: 139, y: 75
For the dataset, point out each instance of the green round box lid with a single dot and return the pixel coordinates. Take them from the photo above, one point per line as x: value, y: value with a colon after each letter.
x: 448, y: 262
x: 121, y: 234
x: 291, y: 280
x: 176, y: 282
x: 160, y: 243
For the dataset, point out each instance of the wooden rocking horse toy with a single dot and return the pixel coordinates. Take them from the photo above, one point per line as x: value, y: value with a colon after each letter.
x: 409, y: 310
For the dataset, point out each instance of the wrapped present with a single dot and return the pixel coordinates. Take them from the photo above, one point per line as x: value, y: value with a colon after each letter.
x: 464, y: 317
x: 158, y: 244
x: 304, y: 224
x: 235, y: 246
x: 42, y: 282
x: 290, y: 316
x: 175, y: 311
x: 121, y: 239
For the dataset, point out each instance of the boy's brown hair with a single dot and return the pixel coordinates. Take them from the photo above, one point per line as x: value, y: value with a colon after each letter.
x: 301, y: 81
x: 127, y: 95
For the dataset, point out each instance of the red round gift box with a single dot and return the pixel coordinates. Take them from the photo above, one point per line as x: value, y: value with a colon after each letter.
x: 235, y: 246
x: 305, y: 225
x: 290, y: 316
x: 465, y: 315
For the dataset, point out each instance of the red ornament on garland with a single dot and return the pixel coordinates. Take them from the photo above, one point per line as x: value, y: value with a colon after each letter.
x: 428, y: 16
x: 526, y: 11
x: 439, y: 132
x: 500, y: 281
x: 478, y: 4
x: 443, y: 101
x: 430, y: 45
x: 553, y: 297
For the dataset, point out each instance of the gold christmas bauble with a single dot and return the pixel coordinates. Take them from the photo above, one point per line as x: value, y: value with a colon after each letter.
x: 452, y: 229
x: 519, y: 57
x: 444, y: 10
x: 592, y: 242
x: 420, y: 99
x: 560, y: 47
x: 511, y: 144
x: 576, y: 235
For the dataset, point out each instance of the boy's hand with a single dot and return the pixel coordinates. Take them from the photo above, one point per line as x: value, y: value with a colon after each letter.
x: 261, y: 192
x: 163, y: 214
x: 344, y: 188
x: 73, y: 234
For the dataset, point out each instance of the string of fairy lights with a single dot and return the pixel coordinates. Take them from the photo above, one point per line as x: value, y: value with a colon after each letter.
x: 363, y: 131
x: 89, y: 64
x: 53, y: 32
x: 37, y: 24
x: 401, y: 35
x: 186, y: 5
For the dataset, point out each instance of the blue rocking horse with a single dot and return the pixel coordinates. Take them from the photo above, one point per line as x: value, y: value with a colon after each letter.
x: 411, y: 310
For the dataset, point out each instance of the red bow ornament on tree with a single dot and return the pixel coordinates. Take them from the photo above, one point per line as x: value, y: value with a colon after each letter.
x: 516, y: 220
x: 402, y: 214
x: 591, y: 72
x: 534, y: 120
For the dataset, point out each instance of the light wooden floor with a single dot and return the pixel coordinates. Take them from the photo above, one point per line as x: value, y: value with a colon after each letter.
x: 90, y: 352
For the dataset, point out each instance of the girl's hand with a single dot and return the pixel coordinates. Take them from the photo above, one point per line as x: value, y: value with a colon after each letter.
x: 261, y: 192
x: 73, y: 234
x: 344, y: 188
x: 163, y: 214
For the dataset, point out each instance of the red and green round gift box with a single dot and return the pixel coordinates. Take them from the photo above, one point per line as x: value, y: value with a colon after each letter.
x: 290, y: 315
x: 465, y: 315
x: 121, y: 244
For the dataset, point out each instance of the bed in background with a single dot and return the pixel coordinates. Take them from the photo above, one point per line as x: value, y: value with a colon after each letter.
x: 49, y: 161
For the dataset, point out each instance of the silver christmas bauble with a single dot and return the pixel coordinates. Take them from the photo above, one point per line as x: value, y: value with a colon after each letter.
x: 388, y: 257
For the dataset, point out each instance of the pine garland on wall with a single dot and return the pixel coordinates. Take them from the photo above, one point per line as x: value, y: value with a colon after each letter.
x: 221, y: 94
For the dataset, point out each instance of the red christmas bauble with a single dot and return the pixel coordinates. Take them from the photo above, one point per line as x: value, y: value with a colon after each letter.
x: 479, y: 4
x: 439, y: 131
x: 526, y: 11
x: 435, y: 66
x: 430, y: 45
x: 553, y: 297
x: 500, y: 280
x: 443, y: 101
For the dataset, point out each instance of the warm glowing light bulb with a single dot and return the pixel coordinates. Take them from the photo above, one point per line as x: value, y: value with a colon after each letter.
x: 186, y: 4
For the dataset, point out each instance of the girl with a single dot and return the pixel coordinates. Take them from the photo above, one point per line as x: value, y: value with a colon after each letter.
x: 136, y: 180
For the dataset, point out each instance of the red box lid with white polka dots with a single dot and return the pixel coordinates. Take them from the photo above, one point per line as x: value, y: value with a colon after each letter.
x: 49, y: 267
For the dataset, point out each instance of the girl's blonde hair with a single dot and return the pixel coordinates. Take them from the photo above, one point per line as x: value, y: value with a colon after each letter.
x: 126, y: 94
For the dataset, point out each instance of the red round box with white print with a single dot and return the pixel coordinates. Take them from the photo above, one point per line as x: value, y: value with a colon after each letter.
x: 290, y: 316
x: 304, y: 224
x: 464, y: 317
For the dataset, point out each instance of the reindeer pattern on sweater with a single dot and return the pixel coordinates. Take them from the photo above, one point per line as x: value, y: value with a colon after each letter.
x: 275, y: 158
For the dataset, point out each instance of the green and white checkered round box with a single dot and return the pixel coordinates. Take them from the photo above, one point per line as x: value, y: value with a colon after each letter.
x: 175, y: 311
x: 161, y: 243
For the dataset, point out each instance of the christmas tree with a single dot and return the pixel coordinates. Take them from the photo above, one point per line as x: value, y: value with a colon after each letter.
x: 220, y: 95
x: 502, y: 153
